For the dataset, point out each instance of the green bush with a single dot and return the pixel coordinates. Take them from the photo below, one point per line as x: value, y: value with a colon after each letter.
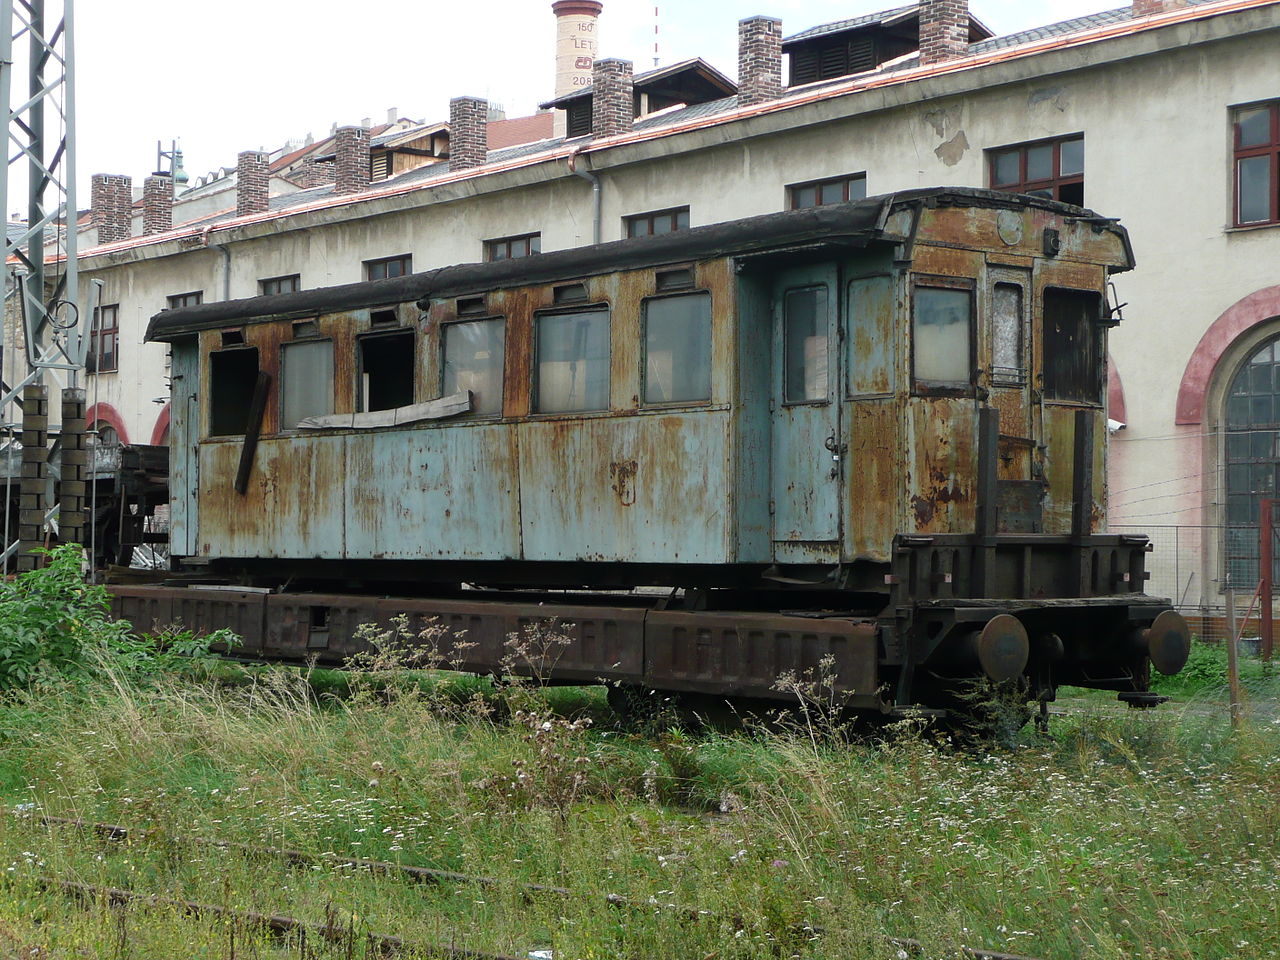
x: 55, y: 625
x: 1206, y: 671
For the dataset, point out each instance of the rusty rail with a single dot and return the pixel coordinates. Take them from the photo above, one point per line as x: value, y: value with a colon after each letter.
x: 117, y: 833
x: 275, y: 924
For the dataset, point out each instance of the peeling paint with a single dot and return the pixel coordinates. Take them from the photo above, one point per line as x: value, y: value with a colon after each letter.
x: 953, y: 151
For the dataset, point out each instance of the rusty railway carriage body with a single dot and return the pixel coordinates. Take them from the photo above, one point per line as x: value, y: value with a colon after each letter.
x: 872, y: 431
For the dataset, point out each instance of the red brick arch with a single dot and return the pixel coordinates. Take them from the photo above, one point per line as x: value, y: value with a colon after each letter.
x: 162, y: 425
x: 108, y: 414
x: 1240, y: 317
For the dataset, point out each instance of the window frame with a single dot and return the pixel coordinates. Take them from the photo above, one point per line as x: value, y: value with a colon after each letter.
x: 1098, y: 383
x: 650, y: 217
x: 265, y: 282
x: 405, y: 261
x: 530, y: 241
x: 832, y: 320
x: 647, y: 404
x: 945, y: 388
x: 177, y: 301
x: 1054, y: 183
x: 502, y: 378
x: 282, y: 379
x: 536, y: 365
x: 793, y: 190
x: 97, y: 336
x: 1270, y: 150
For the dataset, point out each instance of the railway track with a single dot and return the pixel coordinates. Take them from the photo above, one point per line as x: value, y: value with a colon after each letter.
x: 386, y: 944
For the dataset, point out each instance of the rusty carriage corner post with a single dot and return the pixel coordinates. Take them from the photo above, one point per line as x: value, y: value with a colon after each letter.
x: 1265, y: 574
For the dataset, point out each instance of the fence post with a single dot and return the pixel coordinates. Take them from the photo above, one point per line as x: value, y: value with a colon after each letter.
x: 1268, y: 535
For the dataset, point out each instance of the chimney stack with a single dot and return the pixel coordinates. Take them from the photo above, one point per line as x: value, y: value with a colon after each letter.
x: 944, y: 30
x: 111, y: 206
x: 351, y: 165
x: 613, y: 107
x: 1149, y: 8
x: 157, y: 204
x: 315, y: 173
x: 251, y: 182
x: 576, y: 45
x: 759, y: 60
x: 468, y: 132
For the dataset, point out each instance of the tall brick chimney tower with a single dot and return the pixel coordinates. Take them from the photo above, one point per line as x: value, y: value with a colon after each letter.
x: 576, y: 46
x: 613, y: 106
x: 157, y: 203
x: 111, y: 206
x: 252, y: 182
x: 468, y: 132
x: 759, y: 60
x: 944, y: 30
x: 351, y: 163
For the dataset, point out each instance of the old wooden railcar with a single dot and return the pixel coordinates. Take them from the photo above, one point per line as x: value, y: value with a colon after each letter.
x: 873, y: 431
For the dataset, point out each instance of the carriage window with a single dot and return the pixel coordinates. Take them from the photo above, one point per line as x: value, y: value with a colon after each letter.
x: 677, y: 349
x: 1006, y: 335
x: 232, y: 376
x: 473, y: 354
x: 1071, y: 345
x: 804, y: 321
x: 573, y: 362
x: 386, y: 370
x: 306, y: 381
x: 940, y: 330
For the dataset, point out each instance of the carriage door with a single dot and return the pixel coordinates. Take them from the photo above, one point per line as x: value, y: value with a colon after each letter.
x: 1020, y: 476
x: 805, y: 460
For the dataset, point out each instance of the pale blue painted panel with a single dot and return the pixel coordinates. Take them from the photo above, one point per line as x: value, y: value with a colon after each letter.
x: 647, y: 489
x: 440, y: 492
x: 183, y: 423
x: 293, y: 506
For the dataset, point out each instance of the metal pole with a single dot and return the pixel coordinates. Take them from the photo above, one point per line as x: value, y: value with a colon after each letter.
x: 1233, y: 663
x: 1265, y: 573
x: 35, y: 172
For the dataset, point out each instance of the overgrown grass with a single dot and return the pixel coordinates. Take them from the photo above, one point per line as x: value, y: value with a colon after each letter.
x: 1131, y: 836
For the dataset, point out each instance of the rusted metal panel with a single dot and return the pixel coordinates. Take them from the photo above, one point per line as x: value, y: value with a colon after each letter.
x: 745, y: 654
x: 620, y: 488
x: 153, y: 608
x: 874, y: 473
x: 184, y: 426
x: 872, y: 339
x: 441, y: 492
x: 294, y: 505
x: 1059, y: 468
x: 942, y: 457
x: 945, y: 261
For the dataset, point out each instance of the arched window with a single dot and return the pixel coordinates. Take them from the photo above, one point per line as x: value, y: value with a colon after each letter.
x: 1253, y: 457
x: 107, y: 435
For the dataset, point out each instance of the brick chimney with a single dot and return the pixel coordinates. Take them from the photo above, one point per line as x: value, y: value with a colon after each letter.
x: 351, y: 165
x: 759, y: 60
x: 613, y: 106
x: 111, y: 206
x: 944, y: 30
x: 468, y: 132
x: 1148, y: 8
x: 157, y: 203
x: 315, y: 173
x: 251, y: 182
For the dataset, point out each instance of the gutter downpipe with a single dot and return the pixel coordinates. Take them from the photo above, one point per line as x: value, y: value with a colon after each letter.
x: 596, y: 198
x: 226, y: 260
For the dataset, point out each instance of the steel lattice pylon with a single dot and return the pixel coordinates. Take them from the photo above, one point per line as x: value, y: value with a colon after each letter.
x: 54, y: 329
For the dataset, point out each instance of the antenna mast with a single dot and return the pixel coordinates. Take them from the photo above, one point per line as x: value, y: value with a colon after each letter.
x: 655, y: 34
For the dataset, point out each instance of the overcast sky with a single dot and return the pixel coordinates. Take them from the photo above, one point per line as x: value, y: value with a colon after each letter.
x: 245, y: 74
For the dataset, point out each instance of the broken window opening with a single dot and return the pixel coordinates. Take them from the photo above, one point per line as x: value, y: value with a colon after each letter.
x: 805, y: 345
x: 677, y: 349
x: 942, y: 336
x: 233, y: 374
x: 1072, y: 370
x: 572, y: 362
x: 473, y: 359
x: 1007, y: 367
x: 387, y: 365
x: 306, y: 381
